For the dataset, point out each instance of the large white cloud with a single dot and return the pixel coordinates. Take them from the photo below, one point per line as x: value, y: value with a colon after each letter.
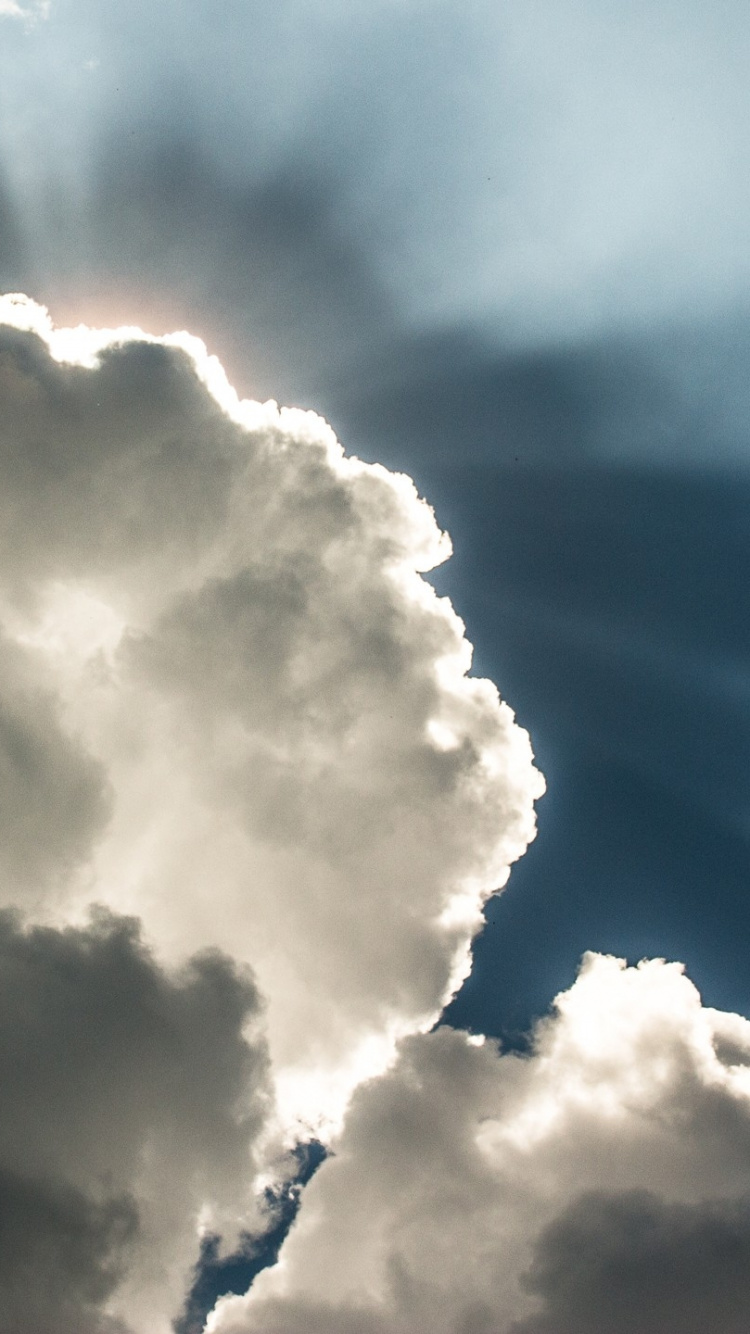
x: 601, y: 1183
x: 228, y: 618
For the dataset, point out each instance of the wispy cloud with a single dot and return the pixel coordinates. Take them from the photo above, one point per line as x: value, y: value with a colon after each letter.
x: 40, y: 9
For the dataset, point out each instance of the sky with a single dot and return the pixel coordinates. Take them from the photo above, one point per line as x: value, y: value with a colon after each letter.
x: 374, y: 676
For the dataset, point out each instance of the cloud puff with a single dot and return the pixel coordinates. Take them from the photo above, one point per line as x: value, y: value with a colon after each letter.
x: 605, y: 1173
x: 230, y: 618
x: 111, y: 1145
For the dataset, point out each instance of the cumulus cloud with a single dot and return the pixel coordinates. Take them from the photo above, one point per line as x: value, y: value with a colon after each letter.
x: 229, y: 618
x: 606, y: 1173
x: 112, y: 1147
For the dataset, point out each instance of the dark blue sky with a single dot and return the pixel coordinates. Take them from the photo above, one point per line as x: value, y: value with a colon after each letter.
x: 609, y: 598
x: 612, y: 606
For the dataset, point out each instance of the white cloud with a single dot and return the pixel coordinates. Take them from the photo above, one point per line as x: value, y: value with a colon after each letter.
x: 230, y: 615
x: 476, y: 1193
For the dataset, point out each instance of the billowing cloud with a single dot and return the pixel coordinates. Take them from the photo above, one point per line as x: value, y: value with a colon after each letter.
x: 475, y: 1192
x: 112, y: 1147
x: 261, y: 690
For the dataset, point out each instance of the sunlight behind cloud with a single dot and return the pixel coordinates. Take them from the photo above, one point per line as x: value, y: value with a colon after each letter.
x: 231, y: 614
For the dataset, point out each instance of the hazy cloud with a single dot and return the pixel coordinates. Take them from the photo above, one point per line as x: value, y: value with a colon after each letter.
x: 552, y: 169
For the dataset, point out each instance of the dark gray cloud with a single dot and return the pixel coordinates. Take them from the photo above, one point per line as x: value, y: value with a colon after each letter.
x: 61, y: 1256
x: 610, y: 1263
x: 99, y: 1049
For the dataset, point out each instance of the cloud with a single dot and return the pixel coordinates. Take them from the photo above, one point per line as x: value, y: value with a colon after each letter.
x: 63, y: 1255
x: 474, y: 1191
x: 9, y: 9
x: 54, y: 798
x: 110, y: 1147
x: 682, y: 1267
x: 230, y: 617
